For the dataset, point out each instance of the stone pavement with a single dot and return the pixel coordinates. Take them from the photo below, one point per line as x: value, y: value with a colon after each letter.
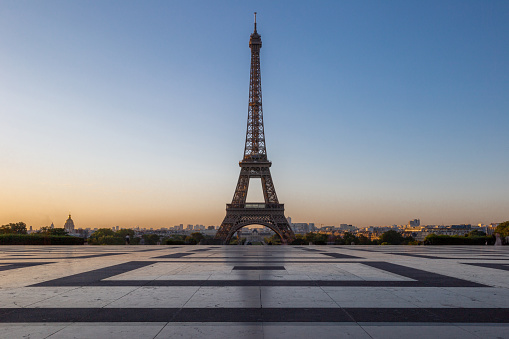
x: 254, y: 292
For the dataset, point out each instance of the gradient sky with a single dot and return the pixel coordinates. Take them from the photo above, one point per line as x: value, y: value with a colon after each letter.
x: 133, y: 113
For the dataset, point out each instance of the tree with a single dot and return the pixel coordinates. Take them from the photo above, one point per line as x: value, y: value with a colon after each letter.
x: 299, y: 240
x: 391, y: 238
x: 476, y: 233
x: 320, y: 239
x: 349, y: 238
x: 53, y: 231
x: 197, y: 236
x: 99, y: 237
x: 174, y: 240
x: 189, y: 240
x: 363, y: 240
x: 14, y: 228
x: 310, y: 237
x: 128, y: 232
x: 58, y: 231
x: 123, y: 233
x: 102, y: 232
x: 150, y: 239
x: 339, y: 241
x: 503, y: 229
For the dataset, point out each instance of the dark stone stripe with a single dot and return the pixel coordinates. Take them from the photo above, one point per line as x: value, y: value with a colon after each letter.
x: 223, y: 283
x: 417, y: 255
x: 13, y: 266
x: 258, y: 283
x: 175, y: 255
x: 444, y: 258
x: 94, y: 256
x: 422, y: 278
x: 95, y: 276
x: 275, y: 261
x: 259, y: 268
x: 68, y: 257
x: 433, y: 315
x: 258, y: 255
x: 287, y: 315
x: 340, y: 256
x: 503, y: 267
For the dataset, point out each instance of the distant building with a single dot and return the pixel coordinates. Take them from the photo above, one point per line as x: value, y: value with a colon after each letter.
x: 346, y: 227
x: 68, y: 226
x: 461, y: 227
x: 414, y: 223
x: 302, y: 227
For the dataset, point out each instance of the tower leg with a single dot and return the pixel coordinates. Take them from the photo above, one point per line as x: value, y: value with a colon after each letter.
x: 236, y: 218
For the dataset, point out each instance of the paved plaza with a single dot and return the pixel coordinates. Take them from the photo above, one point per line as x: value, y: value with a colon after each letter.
x: 254, y: 292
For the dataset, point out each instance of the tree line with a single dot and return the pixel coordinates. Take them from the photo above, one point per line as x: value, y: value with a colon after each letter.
x: 17, y: 234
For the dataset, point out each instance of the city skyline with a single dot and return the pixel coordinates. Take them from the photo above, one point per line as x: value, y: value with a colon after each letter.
x: 122, y: 113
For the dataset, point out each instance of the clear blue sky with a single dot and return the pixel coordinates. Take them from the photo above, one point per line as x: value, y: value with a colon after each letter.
x: 134, y: 112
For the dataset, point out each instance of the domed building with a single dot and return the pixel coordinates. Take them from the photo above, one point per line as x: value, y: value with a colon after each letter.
x: 69, y: 225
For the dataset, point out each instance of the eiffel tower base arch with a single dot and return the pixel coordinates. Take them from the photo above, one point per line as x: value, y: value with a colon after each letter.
x: 270, y: 215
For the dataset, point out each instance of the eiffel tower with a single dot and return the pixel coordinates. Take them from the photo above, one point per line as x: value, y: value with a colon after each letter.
x: 255, y: 165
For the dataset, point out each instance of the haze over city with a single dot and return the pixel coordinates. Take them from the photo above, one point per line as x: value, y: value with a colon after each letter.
x: 133, y: 115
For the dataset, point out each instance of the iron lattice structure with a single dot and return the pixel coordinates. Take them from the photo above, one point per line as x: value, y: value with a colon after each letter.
x: 255, y: 165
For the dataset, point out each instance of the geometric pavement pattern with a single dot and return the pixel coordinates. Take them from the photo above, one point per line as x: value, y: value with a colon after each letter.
x: 254, y: 291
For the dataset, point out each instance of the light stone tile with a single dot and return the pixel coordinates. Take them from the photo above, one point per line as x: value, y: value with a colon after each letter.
x: 27, y: 330
x: 435, y: 297
x: 374, y: 297
x: 150, y: 272
x: 201, y: 269
x: 184, y: 277
x: 370, y: 273
x: 487, y: 331
x: 110, y: 331
x: 335, y: 277
x: 240, y: 275
x: 432, y: 331
x: 156, y: 297
x: 491, y: 297
x: 306, y: 330
x: 286, y: 276
x: 312, y: 269
x: 229, y: 296
x: 85, y: 297
x: 23, y: 297
x: 279, y: 296
x: 482, y: 275
x: 220, y: 331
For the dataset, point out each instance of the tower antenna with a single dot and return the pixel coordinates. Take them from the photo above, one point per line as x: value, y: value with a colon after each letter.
x: 255, y: 22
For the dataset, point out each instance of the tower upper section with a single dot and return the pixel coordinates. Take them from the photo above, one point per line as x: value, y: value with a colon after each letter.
x: 255, y: 150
